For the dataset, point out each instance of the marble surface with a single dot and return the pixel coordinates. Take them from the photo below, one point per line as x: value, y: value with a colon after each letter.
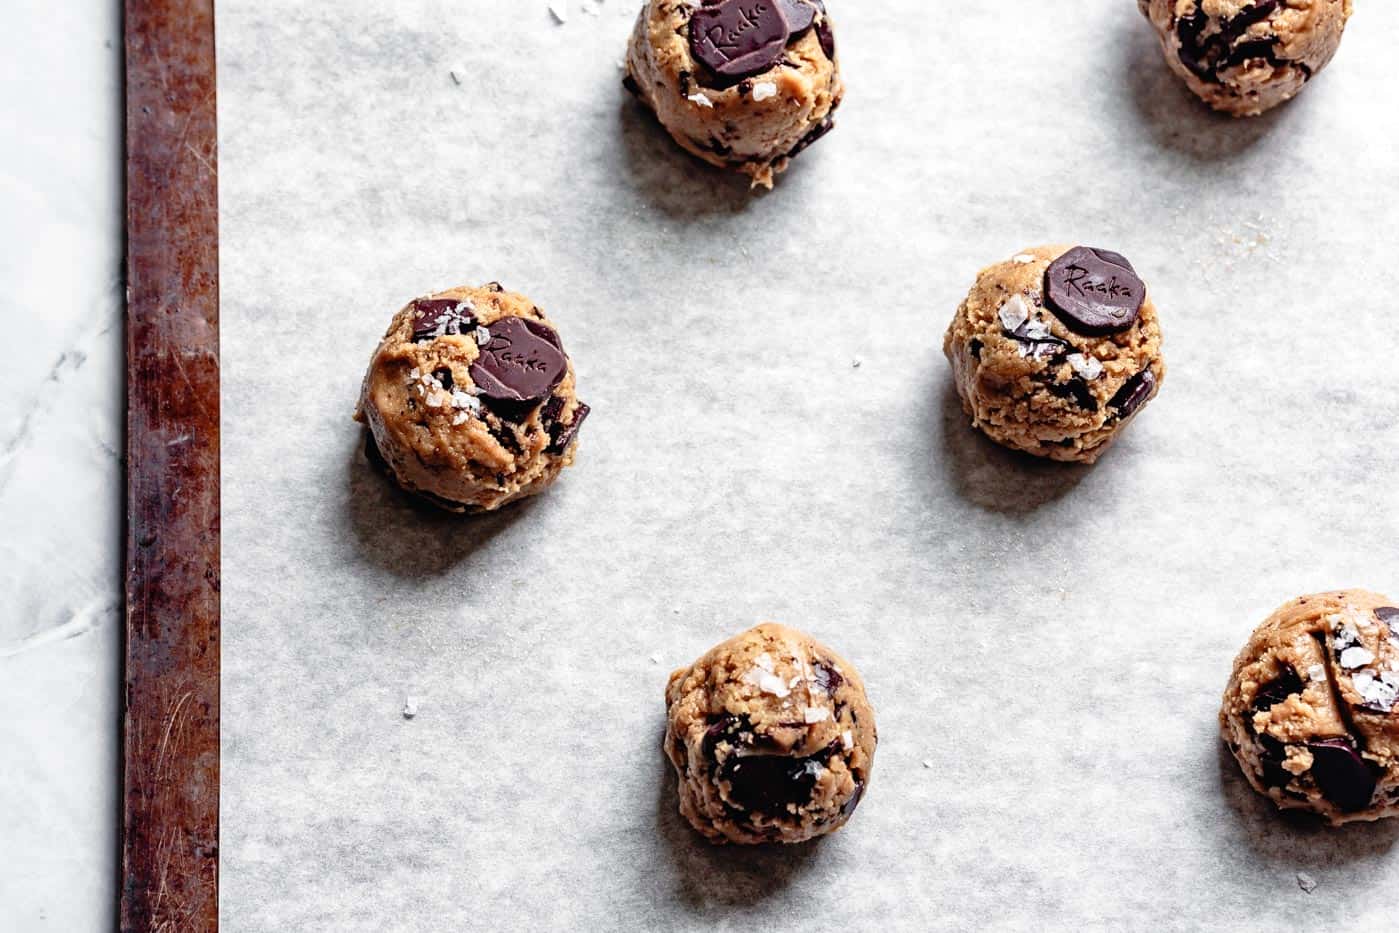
x: 60, y: 472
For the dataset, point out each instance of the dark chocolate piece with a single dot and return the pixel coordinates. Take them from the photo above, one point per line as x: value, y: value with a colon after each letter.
x: 438, y: 317
x: 1278, y: 689
x: 738, y: 38
x: 815, y: 133
x: 1343, y: 777
x: 800, y: 15
x: 849, y: 806
x: 769, y: 783
x: 519, y: 366
x: 562, y: 435
x: 1134, y: 393
x: 1094, y: 291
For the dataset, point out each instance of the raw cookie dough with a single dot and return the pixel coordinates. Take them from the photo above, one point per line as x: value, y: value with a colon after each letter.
x: 469, y: 399
x: 1310, y: 708
x: 1246, y: 56
x: 772, y: 738
x: 743, y: 84
x: 1055, y: 350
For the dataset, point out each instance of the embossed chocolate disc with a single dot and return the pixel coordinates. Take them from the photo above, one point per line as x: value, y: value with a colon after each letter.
x: 1094, y: 291
x: 438, y: 317
x: 738, y: 38
x: 519, y: 365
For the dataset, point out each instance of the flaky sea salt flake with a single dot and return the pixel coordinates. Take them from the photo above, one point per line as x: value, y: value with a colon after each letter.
x: 1355, y: 656
x: 1014, y: 313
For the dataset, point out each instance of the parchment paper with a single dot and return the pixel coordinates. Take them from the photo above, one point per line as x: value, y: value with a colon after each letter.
x: 1045, y: 645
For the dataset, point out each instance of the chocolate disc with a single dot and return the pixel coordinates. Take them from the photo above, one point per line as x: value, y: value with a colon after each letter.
x: 1094, y: 291
x: 438, y: 317
x: 800, y: 14
x: 519, y: 366
x: 738, y: 38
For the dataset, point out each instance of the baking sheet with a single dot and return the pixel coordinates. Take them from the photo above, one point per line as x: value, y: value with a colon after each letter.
x: 1045, y: 645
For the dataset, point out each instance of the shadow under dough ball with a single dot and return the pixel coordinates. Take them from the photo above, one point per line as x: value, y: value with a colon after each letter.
x: 743, y: 84
x: 772, y: 738
x: 1056, y: 350
x: 469, y: 400
x: 1243, y: 57
x: 1309, y: 712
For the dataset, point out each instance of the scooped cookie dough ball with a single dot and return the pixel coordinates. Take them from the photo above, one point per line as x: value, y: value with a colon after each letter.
x: 772, y: 738
x: 1310, y: 710
x: 470, y: 401
x: 1056, y: 350
x: 743, y: 84
x: 1246, y: 56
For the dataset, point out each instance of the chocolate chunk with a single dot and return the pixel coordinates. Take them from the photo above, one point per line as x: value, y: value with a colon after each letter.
x: 849, y: 806
x: 738, y: 38
x: 1389, y: 615
x: 438, y: 317
x: 800, y: 14
x: 1271, y: 757
x: 770, y: 783
x: 825, y: 36
x: 1343, y: 777
x: 1134, y: 393
x: 1094, y: 291
x: 551, y: 411
x: 974, y: 348
x: 827, y: 677
x: 444, y: 378
x: 632, y: 87
x: 1278, y: 689
x: 519, y: 366
x: 562, y: 435
x: 1208, y: 55
x: 815, y: 133
x: 1077, y: 390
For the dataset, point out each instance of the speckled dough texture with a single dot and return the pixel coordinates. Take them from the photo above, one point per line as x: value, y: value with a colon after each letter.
x: 1065, y: 397
x: 772, y: 738
x: 755, y: 126
x: 1243, y: 57
x: 435, y: 436
x: 1309, y: 709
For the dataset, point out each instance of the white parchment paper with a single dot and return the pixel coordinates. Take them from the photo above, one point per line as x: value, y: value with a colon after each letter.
x: 1045, y: 645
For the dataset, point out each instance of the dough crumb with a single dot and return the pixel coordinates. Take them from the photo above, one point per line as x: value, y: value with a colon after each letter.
x: 410, y: 707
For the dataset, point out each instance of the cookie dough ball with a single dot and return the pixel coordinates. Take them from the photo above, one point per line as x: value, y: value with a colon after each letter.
x: 1310, y: 710
x: 1056, y: 350
x: 1246, y: 56
x: 470, y: 401
x: 743, y: 84
x: 772, y: 738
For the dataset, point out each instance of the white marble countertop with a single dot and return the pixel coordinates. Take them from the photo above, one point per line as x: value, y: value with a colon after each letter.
x: 60, y: 475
